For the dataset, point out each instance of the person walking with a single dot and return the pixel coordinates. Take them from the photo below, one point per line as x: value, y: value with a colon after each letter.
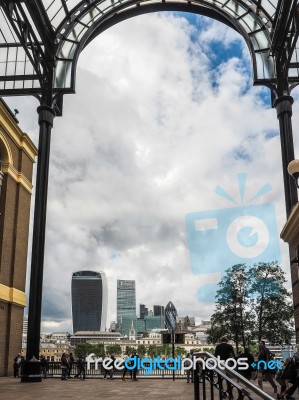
x: 111, y: 367
x: 263, y: 370
x: 247, y: 373
x: 135, y: 358
x: 81, y: 368
x: 17, y: 365
x: 224, y: 350
x: 295, y: 382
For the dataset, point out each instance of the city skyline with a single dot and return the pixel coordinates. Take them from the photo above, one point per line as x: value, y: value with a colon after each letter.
x: 120, y: 188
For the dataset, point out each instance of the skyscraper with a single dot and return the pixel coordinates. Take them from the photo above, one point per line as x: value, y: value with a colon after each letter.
x: 89, y: 301
x: 158, y: 310
x: 143, y: 311
x: 126, y: 299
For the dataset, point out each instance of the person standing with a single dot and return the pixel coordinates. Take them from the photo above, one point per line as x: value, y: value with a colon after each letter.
x: 71, y: 362
x: 17, y: 365
x: 263, y: 371
x: 64, y: 367
x: 44, y: 366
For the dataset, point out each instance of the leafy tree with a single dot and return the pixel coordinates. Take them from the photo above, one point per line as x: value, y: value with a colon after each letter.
x: 141, y: 350
x: 232, y: 316
x: 152, y: 350
x: 254, y: 300
x: 114, y: 349
x: 83, y: 349
x: 99, y: 350
x: 271, y: 303
x: 180, y: 351
x: 129, y: 350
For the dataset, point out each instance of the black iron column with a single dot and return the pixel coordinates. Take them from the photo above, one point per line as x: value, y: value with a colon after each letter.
x: 283, y: 105
x: 31, y: 368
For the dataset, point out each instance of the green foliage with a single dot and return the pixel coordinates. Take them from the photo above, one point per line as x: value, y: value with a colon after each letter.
x: 252, y: 303
x: 113, y: 349
x: 129, y: 350
x: 152, y: 351
x: 180, y: 351
x: 83, y: 350
x: 99, y: 350
x: 141, y: 350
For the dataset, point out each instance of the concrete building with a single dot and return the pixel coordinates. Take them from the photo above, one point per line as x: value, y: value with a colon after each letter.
x: 17, y: 155
x: 89, y: 301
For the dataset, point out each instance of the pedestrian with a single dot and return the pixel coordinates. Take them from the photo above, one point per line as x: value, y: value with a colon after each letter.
x: 135, y: 358
x: 80, y: 368
x: 224, y: 350
x: 110, y: 366
x: 44, y: 366
x: 295, y: 382
x: 71, y: 362
x: 189, y: 371
x: 263, y: 371
x: 64, y: 367
x: 287, y: 374
x: 126, y: 370
x: 17, y: 365
x: 247, y: 373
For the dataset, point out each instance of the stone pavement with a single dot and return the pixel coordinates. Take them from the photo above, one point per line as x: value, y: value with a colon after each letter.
x: 100, y: 389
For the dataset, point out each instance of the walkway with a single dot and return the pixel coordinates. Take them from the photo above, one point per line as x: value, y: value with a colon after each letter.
x: 100, y: 389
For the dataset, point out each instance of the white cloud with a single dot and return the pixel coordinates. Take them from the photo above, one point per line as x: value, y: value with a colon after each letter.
x: 145, y: 140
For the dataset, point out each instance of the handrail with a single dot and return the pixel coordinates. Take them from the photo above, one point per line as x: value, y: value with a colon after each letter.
x: 232, y: 377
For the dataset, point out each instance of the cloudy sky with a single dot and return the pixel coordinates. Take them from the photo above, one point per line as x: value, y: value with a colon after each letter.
x: 164, y: 112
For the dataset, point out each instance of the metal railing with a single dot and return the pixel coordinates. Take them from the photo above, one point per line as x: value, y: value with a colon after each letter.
x: 221, y: 384
x: 54, y: 371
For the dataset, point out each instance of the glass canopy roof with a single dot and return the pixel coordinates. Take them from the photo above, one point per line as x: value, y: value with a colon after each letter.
x: 37, y: 34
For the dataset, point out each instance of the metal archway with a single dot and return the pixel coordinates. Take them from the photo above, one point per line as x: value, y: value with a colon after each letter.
x: 41, y: 40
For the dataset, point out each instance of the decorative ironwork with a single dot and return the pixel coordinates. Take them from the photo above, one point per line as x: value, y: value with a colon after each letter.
x: 223, y: 384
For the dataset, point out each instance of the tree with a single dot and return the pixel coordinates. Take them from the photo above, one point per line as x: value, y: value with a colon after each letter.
x: 114, y: 349
x: 252, y: 300
x: 152, y: 350
x: 141, y: 350
x: 271, y: 303
x: 129, y: 350
x: 99, y: 350
x: 83, y: 349
x: 232, y: 316
x: 180, y: 351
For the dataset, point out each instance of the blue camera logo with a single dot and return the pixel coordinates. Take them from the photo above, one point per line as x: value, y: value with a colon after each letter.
x: 219, y: 239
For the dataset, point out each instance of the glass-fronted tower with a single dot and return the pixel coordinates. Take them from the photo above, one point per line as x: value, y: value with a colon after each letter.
x: 89, y: 301
x: 126, y: 299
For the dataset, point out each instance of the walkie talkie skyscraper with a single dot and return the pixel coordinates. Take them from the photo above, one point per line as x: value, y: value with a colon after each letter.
x: 89, y: 301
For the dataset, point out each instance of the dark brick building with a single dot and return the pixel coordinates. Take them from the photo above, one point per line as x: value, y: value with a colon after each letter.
x: 17, y: 155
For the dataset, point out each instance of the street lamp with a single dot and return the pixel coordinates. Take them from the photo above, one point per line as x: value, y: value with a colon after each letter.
x: 293, y: 170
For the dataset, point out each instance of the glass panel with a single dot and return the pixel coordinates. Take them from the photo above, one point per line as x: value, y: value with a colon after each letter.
x: 63, y: 74
x: 262, y: 40
x: 68, y: 50
x: 235, y: 7
x: 250, y: 24
x: 269, y: 7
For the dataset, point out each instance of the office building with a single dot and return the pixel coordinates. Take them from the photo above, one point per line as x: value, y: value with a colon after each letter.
x: 143, y: 311
x: 158, y: 310
x: 89, y: 301
x: 126, y: 300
